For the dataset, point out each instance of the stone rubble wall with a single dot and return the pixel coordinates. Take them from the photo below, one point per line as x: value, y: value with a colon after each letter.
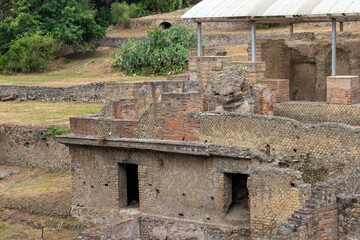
x: 93, y: 92
x: 28, y: 147
x: 211, y: 40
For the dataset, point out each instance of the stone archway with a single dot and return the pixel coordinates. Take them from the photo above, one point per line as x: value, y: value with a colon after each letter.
x: 165, y: 25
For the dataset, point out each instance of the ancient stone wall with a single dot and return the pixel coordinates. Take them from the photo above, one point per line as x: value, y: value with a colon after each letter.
x: 93, y: 92
x: 188, y: 187
x: 284, y: 190
x: 349, y: 210
x: 211, y: 39
x: 334, y: 146
x: 28, y: 147
x: 305, y: 60
x: 325, y: 215
x: 318, y: 112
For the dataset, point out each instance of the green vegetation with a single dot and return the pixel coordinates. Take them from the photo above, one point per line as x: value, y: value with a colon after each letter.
x: 30, y: 34
x: 54, y: 131
x: 161, y: 53
x: 30, y: 53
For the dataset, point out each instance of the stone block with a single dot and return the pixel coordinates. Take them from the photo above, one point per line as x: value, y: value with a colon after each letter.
x: 343, y: 90
x: 280, y: 89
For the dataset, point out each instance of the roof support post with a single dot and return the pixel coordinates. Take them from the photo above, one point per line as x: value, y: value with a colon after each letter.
x: 253, y: 42
x: 341, y: 26
x: 199, y: 43
x: 333, y: 51
x: 291, y: 29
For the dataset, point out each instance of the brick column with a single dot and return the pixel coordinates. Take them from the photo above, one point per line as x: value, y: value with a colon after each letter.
x: 343, y: 90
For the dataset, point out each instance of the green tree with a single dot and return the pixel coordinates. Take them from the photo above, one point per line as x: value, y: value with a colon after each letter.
x: 71, y: 22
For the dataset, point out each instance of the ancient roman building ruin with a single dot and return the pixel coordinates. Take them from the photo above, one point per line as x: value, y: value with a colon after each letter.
x: 209, y: 156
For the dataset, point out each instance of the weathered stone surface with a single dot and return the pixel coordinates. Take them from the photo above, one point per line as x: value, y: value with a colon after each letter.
x: 93, y: 92
x: 4, y: 175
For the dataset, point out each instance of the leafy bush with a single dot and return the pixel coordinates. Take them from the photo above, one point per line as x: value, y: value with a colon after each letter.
x: 31, y: 53
x: 161, y: 53
x: 120, y: 14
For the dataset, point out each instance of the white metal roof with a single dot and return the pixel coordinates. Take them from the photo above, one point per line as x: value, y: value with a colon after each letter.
x: 262, y: 8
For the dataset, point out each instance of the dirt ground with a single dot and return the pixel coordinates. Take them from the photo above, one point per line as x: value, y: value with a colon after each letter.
x: 32, y: 198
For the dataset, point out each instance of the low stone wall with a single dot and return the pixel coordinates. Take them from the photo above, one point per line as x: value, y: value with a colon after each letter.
x: 162, y: 228
x: 117, y: 41
x: 210, y: 39
x: 27, y: 147
x: 93, y: 92
x: 318, y: 112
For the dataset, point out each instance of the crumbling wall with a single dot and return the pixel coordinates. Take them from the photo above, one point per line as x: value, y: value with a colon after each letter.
x: 305, y: 60
x: 325, y: 215
x: 28, y: 147
x: 93, y: 92
x: 275, y: 194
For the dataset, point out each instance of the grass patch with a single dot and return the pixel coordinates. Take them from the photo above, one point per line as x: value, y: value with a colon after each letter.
x: 35, y: 112
x: 38, y: 183
x: 15, y: 79
x: 4, y: 225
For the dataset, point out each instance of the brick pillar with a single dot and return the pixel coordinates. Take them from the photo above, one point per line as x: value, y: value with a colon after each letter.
x: 279, y: 88
x: 343, y: 90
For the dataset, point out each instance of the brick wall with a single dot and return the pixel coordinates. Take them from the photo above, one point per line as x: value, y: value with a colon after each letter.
x: 209, y: 68
x: 324, y: 215
x: 94, y: 180
x: 280, y: 89
x: 171, y: 114
x: 189, y: 188
x: 343, y: 90
x: 264, y: 104
x: 276, y: 195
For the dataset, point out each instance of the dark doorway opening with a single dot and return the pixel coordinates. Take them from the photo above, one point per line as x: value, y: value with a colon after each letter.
x: 237, y: 195
x: 165, y: 25
x: 132, y: 184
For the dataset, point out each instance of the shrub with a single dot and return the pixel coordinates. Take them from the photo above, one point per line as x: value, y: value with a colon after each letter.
x: 31, y: 53
x: 3, y: 62
x: 138, y: 10
x: 54, y: 131
x: 120, y: 14
x: 161, y: 53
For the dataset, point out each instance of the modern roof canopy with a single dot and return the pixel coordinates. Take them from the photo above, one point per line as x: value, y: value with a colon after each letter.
x: 288, y: 10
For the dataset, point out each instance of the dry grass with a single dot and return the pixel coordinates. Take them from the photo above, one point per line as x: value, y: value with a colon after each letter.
x: 33, y: 198
x: 40, y: 113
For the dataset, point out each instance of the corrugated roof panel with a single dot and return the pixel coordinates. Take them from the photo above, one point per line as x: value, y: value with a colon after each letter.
x: 262, y: 8
x: 340, y: 7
